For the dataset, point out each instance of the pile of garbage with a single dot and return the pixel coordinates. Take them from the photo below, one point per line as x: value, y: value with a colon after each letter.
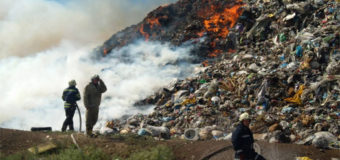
x: 284, y: 71
x: 203, y: 23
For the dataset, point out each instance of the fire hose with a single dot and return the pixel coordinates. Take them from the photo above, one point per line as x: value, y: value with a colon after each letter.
x: 256, y: 147
x: 79, y: 118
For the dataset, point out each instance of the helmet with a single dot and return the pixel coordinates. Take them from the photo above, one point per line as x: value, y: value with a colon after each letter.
x: 72, y: 83
x: 96, y: 76
x: 244, y: 116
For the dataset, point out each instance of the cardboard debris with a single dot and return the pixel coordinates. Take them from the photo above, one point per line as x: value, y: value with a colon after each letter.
x: 43, y: 148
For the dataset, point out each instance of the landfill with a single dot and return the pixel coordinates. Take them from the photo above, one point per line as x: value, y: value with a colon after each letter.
x: 284, y: 70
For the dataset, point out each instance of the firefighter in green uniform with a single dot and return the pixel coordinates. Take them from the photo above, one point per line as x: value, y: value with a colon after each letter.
x: 70, y: 96
x: 92, y: 97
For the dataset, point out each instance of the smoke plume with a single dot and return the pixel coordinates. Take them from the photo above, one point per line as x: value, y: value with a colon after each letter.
x: 32, y: 86
x: 45, y: 44
x: 31, y: 26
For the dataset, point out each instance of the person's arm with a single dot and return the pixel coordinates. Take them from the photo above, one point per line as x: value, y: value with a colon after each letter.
x: 77, y: 95
x: 63, y: 96
x: 86, y: 96
x: 102, y: 86
x: 235, y: 139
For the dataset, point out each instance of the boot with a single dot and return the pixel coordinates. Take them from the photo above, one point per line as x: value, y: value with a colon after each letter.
x: 63, y: 129
x: 71, y: 127
x: 89, y: 133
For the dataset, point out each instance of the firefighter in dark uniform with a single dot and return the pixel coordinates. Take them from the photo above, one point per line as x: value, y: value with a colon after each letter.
x: 70, y: 95
x: 92, y: 99
x: 242, y: 139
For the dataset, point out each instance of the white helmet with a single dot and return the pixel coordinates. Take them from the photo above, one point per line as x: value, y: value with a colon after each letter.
x: 244, y: 116
x: 96, y: 76
x: 72, y: 83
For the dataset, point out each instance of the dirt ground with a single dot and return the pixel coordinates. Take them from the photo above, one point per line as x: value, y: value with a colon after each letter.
x: 12, y: 141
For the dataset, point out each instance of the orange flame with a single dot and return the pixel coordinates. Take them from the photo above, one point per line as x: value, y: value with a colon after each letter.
x: 151, y: 22
x: 146, y: 35
x: 105, y: 51
x: 200, y: 34
x: 220, y: 23
x: 215, y: 53
x: 205, y: 63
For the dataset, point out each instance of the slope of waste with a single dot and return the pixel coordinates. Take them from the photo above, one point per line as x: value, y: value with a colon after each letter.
x: 284, y: 70
x: 204, y: 23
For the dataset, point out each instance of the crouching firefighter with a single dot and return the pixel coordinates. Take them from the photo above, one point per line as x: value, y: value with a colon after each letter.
x: 70, y: 95
x: 242, y: 139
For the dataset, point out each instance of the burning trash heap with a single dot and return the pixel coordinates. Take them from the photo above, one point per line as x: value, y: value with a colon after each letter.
x: 281, y: 65
x: 204, y: 23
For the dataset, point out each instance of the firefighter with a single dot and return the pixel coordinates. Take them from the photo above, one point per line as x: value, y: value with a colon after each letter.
x: 92, y: 98
x: 70, y: 95
x: 242, y: 139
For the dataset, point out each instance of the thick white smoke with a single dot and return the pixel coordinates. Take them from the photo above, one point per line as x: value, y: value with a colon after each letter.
x: 31, y: 26
x: 46, y: 43
x: 32, y: 86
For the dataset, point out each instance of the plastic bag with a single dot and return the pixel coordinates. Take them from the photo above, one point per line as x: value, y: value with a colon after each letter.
x: 299, y: 51
x: 297, y: 97
x: 282, y: 37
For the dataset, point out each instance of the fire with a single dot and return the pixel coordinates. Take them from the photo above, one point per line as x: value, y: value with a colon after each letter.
x: 105, y: 51
x: 215, y: 53
x: 146, y: 35
x: 151, y: 23
x: 205, y: 63
x: 217, y: 21
x: 220, y: 23
x: 200, y: 34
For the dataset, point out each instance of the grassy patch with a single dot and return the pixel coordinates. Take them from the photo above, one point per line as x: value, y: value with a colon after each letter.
x: 19, y: 156
x: 159, y: 152
x: 129, y: 147
x: 90, y: 153
x: 134, y: 143
x: 72, y: 153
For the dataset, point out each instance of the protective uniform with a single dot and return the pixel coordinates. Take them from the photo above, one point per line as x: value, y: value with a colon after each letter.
x: 242, y: 140
x: 70, y: 96
x: 92, y: 99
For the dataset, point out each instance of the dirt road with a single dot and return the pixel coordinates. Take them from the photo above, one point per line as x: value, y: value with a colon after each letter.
x: 12, y: 141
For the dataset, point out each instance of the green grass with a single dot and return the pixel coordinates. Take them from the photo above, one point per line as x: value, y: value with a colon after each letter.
x: 159, y: 152
x: 90, y: 153
x: 137, y: 148
x: 19, y: 156
x: 72, y: 153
